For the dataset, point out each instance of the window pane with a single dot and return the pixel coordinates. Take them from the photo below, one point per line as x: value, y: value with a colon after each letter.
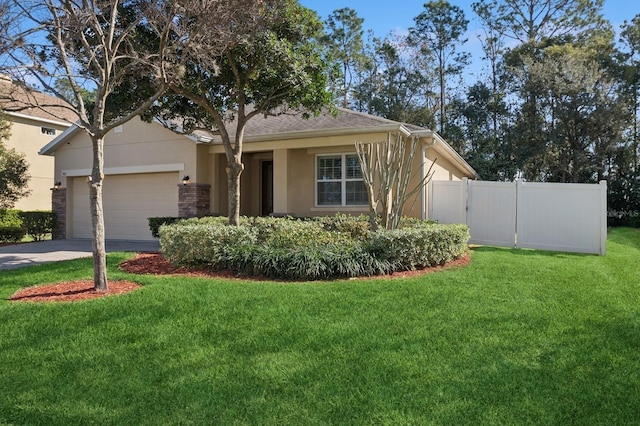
x: 356, y: 193
x: 329, y: 193
x: 329, y: 168
x: 353, y: 167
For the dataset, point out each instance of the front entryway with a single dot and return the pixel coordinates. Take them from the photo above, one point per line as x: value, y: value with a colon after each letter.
x: 266, y: 183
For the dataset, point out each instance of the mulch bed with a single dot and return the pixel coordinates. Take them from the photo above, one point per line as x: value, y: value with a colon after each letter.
x: 70, y: 291
x: 155, y: 264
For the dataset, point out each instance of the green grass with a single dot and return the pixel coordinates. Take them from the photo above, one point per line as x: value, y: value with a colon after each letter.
x: 517, y: 337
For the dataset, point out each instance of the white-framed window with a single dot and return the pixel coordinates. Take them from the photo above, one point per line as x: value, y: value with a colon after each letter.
x: 47, y: 131
x: 339, y: 181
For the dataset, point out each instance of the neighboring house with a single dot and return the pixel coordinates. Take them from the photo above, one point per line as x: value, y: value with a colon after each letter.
x: 292, y: 166
x: 31, y: 128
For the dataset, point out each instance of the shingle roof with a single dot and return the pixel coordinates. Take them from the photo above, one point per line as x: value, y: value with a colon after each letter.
x: 293, y: 122
x: 21, y: 100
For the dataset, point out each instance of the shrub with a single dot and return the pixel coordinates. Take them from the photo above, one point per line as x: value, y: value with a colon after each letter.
x: 624, y: 218
x: 218, y: 246
x: 356, y: 226
x: 156, y: 222
x: 10, y: 218
x: 11, y: 234
x: 421, y: 246
x: 309, y: 249
x: 37, y: 224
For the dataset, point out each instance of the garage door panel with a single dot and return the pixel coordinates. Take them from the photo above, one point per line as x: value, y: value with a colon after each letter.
x: 128, y: 200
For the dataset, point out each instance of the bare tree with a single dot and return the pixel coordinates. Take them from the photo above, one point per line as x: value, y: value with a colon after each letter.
x: 89, y: 45
x: 387, y: 170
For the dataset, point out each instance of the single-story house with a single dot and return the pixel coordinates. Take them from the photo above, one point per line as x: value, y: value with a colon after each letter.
x: 302, y: 167
x: 31, y: 128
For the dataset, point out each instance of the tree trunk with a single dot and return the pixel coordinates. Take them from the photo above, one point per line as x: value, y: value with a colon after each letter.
x: 97, y: 217
x: 234, y: 170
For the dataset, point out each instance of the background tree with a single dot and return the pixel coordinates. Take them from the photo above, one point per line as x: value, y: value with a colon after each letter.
x: 396, y: 86
x: 14, y: 175
x: 438, y: 33
x: 476, y: 128
x: 492, y: 40
x: 275, y: 69
x: 630, y: 37
x: 624, y: 172
x: 343, y: 40
x: 583, y: 116
x: 534, y: 25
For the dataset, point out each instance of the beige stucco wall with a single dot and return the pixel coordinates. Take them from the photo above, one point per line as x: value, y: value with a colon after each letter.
x: 27, y: 138
x: 135, y: 147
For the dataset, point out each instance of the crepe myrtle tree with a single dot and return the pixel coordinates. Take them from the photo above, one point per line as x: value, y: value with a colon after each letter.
x: 387, y: 171
x: 117, y: 49
x: 276, y: 69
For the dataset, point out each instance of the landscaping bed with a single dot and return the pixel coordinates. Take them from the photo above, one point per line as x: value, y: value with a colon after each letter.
x: 312, y: 249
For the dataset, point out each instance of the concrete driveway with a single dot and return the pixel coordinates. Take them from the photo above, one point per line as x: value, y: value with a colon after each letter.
x: 27, y: 254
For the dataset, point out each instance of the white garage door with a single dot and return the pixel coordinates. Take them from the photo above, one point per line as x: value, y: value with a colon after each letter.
x: 128, y: 201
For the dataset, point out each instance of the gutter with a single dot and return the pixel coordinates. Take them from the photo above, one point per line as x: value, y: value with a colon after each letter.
x: 38, y: 119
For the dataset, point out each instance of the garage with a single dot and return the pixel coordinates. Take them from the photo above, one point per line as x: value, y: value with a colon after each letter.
x: 128, y: 201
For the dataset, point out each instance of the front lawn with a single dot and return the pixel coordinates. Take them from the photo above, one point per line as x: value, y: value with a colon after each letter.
x: 517, y: 337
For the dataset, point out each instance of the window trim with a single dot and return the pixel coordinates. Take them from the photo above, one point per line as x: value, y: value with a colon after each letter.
x: 343, y: 181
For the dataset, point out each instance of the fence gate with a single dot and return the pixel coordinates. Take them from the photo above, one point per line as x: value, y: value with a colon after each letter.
x: 548, y: 216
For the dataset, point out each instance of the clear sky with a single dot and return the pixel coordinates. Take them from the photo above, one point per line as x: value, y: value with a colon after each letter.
x: 385, y: 17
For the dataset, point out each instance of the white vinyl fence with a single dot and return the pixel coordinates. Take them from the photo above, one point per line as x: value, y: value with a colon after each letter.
x: 550, y: 216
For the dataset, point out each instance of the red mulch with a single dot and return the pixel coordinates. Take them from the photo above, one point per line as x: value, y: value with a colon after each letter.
x: 155, y: 264
x: 70, y: 291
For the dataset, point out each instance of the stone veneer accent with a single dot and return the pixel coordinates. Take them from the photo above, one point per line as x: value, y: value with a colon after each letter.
x: 194, y: 200
x: 59, y: 207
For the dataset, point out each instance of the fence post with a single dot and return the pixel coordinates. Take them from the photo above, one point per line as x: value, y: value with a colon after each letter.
x: 464, y: 206
x: 429, y: 200
x: 518, y: 184
x: 603, y: 217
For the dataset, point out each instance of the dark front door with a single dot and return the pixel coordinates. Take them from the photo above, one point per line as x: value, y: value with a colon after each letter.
x: 267, y: 187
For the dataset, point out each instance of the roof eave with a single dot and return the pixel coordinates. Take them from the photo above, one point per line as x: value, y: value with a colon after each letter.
x: 51, y: 147
x: 300, y: 134
x: 39, y: 119
x: 441, y: 145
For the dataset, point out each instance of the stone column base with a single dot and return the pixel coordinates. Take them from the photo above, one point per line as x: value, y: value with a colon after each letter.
x: 59, y: 207
x: 194, y: 200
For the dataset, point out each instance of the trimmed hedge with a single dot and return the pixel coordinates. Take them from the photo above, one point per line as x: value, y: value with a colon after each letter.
x: 38, y: 224
x: 156, y: 222
x: 11, y: 234
x: 10, y: 218
x: 312, y: 249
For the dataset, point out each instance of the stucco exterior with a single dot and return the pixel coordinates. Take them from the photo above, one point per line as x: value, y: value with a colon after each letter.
x: 35, y: 119
x: 28, y: 135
